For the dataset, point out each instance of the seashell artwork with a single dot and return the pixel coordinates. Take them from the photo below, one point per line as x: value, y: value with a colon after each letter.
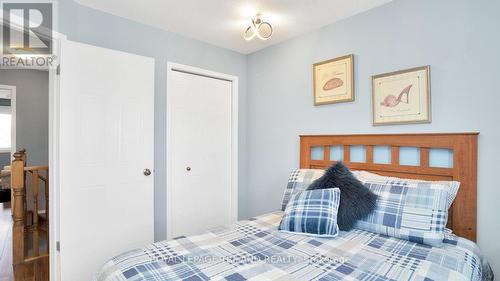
x: 333, y: 80
x: 332, y: 84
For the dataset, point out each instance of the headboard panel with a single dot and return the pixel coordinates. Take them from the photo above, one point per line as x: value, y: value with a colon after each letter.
x: 462, y: 215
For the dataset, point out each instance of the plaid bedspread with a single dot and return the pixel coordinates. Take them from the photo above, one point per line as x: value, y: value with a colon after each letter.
x: 255, y: 250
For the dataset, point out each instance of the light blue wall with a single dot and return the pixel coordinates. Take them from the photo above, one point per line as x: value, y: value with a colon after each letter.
x: 90, y: 26
x: 458, y: 38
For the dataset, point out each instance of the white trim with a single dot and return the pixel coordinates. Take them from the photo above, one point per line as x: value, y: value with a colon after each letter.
x: 234, y: 135
x: 13, y: 131
x: 54, y: 175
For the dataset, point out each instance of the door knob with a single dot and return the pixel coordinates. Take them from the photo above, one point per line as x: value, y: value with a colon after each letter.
x: 146, y: 172
x: 188, y: 168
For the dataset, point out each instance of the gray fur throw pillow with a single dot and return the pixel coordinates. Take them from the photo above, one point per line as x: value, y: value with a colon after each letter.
x: 356, y: 200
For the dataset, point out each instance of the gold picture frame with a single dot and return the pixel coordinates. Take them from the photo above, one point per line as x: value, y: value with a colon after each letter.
x: 333, y: 80
x: 402, y: 97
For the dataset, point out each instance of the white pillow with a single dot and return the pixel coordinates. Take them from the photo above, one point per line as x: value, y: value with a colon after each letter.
x: 452, y: 186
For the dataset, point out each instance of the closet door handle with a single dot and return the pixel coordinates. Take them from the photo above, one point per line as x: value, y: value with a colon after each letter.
x: 188, y: 168
x: 146, y: 172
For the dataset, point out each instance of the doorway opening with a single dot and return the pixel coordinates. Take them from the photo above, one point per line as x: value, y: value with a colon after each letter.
x: 24, y: 181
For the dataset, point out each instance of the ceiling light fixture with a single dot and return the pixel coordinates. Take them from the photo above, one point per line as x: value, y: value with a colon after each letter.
x: 258, y: 28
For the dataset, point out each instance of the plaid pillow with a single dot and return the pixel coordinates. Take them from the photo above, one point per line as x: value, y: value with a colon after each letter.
x: 312, y: 212
x: 299, y: 180
x: 452, y: 186
x: 410, y: 210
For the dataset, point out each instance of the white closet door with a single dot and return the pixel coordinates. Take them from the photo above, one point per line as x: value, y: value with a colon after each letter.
x: 200, y: 194
x: 106, y: 141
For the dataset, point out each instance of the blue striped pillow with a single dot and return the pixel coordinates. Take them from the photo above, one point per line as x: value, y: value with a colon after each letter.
x: 409, y: 210
x: 453, y: 186
x: 312, y: 212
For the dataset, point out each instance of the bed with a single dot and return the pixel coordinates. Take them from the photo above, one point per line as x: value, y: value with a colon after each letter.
x: 254, y: 250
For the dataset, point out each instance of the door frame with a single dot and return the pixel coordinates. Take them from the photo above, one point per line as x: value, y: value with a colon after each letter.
x: 175, y: 67
x: 13, y: 131
x: 54, y: 172
x: 53, y: 160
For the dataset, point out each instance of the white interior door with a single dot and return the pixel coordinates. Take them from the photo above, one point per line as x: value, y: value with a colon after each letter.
x: 201, y: 184
x: 105, y: 142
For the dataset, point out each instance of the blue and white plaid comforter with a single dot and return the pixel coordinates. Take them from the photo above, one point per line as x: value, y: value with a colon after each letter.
x: 255, y: 250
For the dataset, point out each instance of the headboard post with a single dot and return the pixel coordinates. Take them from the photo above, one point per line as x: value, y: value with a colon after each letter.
x: 465, y: 204
x: 463, y: 213
x: 305, y: 152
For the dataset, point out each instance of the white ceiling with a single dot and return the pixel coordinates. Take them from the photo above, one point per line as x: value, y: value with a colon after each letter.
x: 221, y: 22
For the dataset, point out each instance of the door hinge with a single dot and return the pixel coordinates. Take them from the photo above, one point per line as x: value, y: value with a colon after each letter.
x: 58, y: 246
x: 58, y: 69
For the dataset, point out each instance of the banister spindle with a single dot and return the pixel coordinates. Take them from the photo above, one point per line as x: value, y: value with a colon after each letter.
x: 18, y: 180
x: 35, y: 184
x: 23, y: 156
x: 47, y: 201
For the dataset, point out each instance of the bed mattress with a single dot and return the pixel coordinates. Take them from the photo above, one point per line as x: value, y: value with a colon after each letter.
x: 254, y: 250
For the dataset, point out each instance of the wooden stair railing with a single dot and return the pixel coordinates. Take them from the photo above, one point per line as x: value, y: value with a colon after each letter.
x: 30, y: 231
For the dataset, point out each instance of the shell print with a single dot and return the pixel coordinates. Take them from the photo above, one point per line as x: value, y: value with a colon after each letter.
x: 332, y: 84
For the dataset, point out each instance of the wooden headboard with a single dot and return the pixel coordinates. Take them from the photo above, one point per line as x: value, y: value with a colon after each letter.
x: 462, y: 215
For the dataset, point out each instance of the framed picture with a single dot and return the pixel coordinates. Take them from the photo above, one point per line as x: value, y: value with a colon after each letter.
x: 402, y: 97
x: 333, y: 80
